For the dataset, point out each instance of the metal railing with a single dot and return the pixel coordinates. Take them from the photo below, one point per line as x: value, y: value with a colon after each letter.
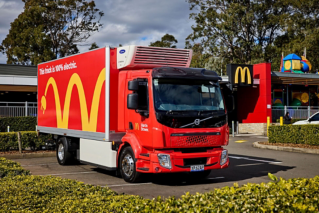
x: 301, y: 112
x: 18, y: 109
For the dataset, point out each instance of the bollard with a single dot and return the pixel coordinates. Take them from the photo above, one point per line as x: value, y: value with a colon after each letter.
x: 8, y: 128
x: 268, y: 124
x: 19, y: 142
x: 281, y: 121
x: 237, y: 127
x: 233, y: 128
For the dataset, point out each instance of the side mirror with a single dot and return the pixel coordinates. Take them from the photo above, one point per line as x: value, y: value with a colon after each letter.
x: 132, y: 101
x: 133, y: 85
x: 231, y: 103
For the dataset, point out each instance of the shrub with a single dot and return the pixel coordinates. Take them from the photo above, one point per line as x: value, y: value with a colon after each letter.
x: 8, y: 140
x: 18, y: 124
x: 296, y: 134
x: 31, y: 139
x: 54, y: 194
x: 10, y: 168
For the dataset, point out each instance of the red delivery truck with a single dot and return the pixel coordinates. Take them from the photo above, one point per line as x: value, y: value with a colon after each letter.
x: 135, y: 110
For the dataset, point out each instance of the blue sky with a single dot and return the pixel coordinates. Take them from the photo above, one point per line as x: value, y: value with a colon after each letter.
x: 126, y: 22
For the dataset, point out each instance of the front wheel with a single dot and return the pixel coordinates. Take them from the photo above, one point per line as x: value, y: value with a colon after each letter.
x: 128, y: 166
x: 63, y: 156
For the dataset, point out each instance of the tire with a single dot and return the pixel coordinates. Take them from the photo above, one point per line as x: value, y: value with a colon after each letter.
x: 63, y: 156
x: 128, y: 166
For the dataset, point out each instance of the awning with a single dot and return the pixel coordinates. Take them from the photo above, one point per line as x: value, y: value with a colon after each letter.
x: 294, y: 78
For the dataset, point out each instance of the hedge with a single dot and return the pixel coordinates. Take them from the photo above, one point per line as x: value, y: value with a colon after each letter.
x: 8, y: 140
x: 296, y: 134
x: 29, y: 139
x: 9, y: 168
x: 18, y: 124
x: 54, y: 194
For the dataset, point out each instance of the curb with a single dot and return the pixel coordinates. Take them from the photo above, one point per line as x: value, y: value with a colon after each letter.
x: 286, y: 149
x: 28, y: 155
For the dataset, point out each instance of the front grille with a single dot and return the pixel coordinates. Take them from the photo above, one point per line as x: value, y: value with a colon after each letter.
x: 195, y: 141
x: 192, y: 150
x: 195, y: 161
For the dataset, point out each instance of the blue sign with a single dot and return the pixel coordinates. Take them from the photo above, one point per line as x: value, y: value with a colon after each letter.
x: 122, y: 51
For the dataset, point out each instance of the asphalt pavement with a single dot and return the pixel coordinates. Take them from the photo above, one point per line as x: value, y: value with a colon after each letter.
x: 247, y: 164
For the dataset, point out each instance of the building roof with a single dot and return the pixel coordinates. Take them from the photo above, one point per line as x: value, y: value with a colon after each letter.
x: 19, y: 70
x: 294, y: 78
x: 292, y: 57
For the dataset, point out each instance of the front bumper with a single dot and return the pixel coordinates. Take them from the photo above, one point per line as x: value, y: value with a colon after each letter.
x: 148, y: 163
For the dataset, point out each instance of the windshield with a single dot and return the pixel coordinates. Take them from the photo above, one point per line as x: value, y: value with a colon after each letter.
x: 186, y: 95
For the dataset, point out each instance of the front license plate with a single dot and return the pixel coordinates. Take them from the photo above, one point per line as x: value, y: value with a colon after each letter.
x: 197, y: 168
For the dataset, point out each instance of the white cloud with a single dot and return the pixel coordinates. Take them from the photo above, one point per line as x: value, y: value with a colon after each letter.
x: 125, y: 22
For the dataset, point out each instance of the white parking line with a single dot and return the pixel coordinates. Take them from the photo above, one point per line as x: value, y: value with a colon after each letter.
x: 215, y: 178
x: 250, y: 164
x: 244, y: 158
x: 71, y: 173
x: 129, y: 184
x: 40, y: 164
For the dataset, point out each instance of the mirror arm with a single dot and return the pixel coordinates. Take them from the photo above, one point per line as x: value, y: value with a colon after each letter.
x: 144, y: 113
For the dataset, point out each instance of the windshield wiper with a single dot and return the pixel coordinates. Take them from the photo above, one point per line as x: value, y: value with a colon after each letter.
x: 171, y: 112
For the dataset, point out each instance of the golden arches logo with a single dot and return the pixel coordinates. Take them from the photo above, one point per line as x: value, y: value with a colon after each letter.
x: 137, y: 127
x: 88, y: 123
x: 242, y: 75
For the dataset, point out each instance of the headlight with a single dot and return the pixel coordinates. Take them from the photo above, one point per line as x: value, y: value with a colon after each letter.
x: 164, y: 160
x: 223, y: 157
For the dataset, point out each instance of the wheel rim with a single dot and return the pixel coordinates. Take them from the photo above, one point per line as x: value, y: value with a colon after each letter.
x: 128, y: 165
x: 61, y: 151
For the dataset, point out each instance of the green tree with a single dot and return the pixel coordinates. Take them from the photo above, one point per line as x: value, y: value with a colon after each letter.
x: 301, y: 30
x: 238, y: 31
x: 93, y: 46
x: 166, y: 41
x: 48, y: 29
x: 199, y: 58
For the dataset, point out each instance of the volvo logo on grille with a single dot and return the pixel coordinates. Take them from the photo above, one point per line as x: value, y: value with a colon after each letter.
x: 197, y: 122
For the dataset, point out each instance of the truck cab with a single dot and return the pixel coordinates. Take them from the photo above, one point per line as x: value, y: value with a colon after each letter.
x: 175, y: 121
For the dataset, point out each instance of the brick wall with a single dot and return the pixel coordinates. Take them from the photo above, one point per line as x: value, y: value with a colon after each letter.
x: 256, y: 128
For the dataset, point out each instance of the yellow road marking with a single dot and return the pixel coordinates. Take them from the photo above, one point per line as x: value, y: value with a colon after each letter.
x: 241, y: 141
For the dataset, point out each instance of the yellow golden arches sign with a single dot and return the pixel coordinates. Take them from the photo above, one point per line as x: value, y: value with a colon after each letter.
x: 137, y: 127
x: 89, y: 123
x: 242, y: 75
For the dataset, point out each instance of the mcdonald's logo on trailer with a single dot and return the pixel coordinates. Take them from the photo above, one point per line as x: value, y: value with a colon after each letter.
x: 240, y: 74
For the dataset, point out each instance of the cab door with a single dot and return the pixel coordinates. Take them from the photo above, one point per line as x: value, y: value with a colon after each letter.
x: 139, y: 118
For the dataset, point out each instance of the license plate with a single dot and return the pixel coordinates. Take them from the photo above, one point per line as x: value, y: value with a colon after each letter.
x: 197, y: 168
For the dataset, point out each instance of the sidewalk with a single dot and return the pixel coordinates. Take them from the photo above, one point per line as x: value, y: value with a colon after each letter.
x: 28, y: 155
x: 286, y: 149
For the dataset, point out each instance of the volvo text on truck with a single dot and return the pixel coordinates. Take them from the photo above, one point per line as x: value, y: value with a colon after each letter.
x: 135, y: 110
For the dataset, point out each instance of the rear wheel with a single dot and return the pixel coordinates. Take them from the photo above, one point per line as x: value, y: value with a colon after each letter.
x: 63, y: 156
x: 128, y: 166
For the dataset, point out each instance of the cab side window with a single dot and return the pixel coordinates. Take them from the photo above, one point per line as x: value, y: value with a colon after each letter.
x: 143, y: 95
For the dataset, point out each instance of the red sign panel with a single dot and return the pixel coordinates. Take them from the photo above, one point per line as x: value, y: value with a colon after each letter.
x: 71, y: 92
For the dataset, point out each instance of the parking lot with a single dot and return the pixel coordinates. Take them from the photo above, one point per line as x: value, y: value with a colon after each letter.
x: 247, y: 164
